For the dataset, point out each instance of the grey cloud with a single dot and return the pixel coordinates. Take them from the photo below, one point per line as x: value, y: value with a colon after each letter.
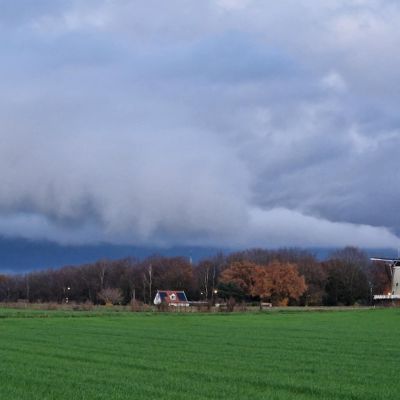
x: 219, y: 122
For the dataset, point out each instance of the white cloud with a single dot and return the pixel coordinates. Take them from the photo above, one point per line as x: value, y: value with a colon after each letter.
x: 335, y: 82
x: 282, y: 227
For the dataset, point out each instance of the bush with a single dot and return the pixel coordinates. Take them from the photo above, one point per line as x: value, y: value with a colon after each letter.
x: 110, y: 296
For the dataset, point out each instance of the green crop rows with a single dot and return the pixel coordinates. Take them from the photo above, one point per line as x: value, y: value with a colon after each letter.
x: 296, y: 355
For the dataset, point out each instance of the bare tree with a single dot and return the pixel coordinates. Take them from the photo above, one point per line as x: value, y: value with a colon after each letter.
x: 110, y: 296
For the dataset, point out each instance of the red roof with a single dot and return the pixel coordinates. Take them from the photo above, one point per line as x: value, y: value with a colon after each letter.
x: 170, y: 297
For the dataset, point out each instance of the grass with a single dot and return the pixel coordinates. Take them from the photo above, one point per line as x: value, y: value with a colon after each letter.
x: 297, y: 355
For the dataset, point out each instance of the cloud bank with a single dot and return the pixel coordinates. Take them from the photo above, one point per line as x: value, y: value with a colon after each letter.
x: 233, y: 123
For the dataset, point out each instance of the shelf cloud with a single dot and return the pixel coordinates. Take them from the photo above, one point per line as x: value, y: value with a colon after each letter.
x: 233, y: 123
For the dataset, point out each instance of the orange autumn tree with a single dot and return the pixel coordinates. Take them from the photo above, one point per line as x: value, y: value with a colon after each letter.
x: 285, y: 282
x: 252, y: 279
x: 277, y: 282
x: 263, y: 285
x: 242, y: 274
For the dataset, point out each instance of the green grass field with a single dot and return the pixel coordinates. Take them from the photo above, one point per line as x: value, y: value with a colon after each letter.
x: 272, y: 355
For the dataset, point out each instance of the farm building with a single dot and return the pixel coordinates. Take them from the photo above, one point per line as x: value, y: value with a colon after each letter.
x: 173, y: 298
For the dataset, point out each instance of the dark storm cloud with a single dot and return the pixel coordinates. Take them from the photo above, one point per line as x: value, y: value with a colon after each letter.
x: 231, y: 122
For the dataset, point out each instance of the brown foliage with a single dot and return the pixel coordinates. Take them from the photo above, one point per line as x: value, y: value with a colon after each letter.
x: 263, y: 284
x: 286, y: 282
x: 243, y: 274
x: 279, y: 282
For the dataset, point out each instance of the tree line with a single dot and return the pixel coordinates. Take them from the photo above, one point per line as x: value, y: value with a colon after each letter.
x: 282, y: 277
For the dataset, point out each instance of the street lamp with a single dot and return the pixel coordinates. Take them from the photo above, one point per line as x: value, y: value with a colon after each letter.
x: 215, y: 292
x: 68, y: 291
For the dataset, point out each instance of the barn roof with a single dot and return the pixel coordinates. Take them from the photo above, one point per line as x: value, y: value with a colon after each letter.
x: 170, y: 297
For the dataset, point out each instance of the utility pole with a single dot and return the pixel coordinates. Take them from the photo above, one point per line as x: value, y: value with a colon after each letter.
x: 150, y: 281
x: 144, y: 288
x: 134, y: 294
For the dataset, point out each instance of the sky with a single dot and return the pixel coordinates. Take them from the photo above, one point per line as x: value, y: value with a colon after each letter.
x: 201, y: 123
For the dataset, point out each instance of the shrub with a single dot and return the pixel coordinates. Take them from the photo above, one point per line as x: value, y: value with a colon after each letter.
x: 110, y: 296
